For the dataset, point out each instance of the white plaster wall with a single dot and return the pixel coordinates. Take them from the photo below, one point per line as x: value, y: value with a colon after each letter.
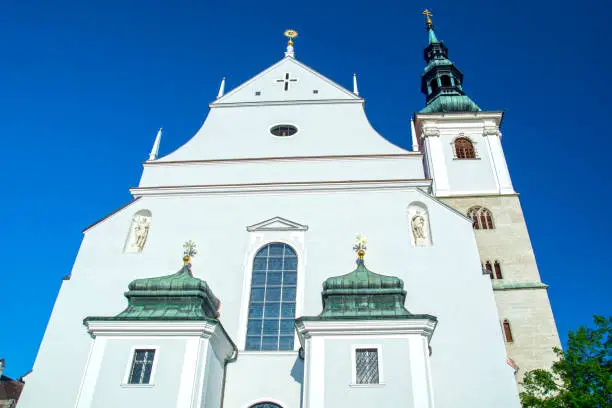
x: 264, y: 376
x: 396, y: 367
x: 301, y: 170
x: 323, y: 129
x: 110, y: 390
x: 444, y: 280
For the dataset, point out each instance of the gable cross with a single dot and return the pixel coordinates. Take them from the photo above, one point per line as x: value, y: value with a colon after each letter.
x: 286, y: 81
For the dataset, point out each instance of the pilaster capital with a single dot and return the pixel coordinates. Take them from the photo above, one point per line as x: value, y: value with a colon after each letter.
x: 431, y: 132
x: 491, y: 131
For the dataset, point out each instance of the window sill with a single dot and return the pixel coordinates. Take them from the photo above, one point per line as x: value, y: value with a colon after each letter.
x: 467, y: 158
x: 137, y: 385
x: 379, y: 385
x: 268, y: 353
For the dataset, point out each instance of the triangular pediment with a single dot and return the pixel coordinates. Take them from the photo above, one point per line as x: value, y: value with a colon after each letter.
x: 277, y: 224
x: 286, y: 81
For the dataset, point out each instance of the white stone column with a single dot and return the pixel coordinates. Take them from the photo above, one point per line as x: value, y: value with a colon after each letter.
x: 435, y: 160
x: 493, y: 136
x: 314, y: 373
x: 421, y: 379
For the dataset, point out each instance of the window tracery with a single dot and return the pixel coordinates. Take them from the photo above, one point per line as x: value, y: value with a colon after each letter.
x: 481, y: 218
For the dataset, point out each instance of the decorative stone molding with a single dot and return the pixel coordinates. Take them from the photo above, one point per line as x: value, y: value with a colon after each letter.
x: 431, y: 132
x: 277, y: 224
x: 491, y: 131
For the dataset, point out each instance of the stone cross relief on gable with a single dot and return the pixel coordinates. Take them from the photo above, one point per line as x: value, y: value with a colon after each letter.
x: 286, y: 80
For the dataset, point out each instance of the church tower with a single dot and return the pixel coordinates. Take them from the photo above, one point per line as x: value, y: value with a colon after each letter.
x: 463, y: 155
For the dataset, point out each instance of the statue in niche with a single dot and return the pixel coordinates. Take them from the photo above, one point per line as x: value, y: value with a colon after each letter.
x: 419, y: 229
x: 138, y: 233
x: 418, y: 224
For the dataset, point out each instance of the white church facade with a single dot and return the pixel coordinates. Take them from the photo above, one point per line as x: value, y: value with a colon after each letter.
x: 242, y: 287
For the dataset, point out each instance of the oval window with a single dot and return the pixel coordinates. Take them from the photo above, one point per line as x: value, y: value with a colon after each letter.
x: 283, y: 130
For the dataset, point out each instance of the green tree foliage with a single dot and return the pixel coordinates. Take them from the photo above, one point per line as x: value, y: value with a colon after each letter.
x: 581, y: 378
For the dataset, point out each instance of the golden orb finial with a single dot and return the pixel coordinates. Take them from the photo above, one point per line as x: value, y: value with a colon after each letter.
x: 428, y: 15
x: 290, y: 34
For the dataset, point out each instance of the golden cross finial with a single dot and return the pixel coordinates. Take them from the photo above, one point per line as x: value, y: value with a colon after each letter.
x: 428, y: 15
x: 290, y: 34
x: 190, y: 250
x: 360, y: 245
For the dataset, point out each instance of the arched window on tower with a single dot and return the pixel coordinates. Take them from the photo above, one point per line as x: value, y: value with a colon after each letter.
x: 464, y: 149
x: 489, y: 269
x: 445, y: 80
x: 272, y: 302
x: 498, y: 273
x: 481, y: 218
x: 434, y: 85
x: 507, y: 331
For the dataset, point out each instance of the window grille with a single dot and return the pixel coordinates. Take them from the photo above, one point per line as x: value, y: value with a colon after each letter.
x: 464, y: 149
x: 366, y: 366
x: 481, y: 218
x: 272, y: 302
x: 141, y: 367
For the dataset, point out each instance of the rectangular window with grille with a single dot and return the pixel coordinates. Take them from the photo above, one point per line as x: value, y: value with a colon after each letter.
x: 366, y: 366
x: 142, y: 365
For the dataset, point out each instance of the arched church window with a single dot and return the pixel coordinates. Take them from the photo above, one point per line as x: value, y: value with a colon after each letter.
x: 507, y: 331
x: 265, y: 405
x: 445, y: 79
x: 272, y: 302
x: 464, y: 149
x: 481, y: 218
x: 498, y: 273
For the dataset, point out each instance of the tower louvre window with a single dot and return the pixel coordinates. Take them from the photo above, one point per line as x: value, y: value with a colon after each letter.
x: 434, y: 85
x: 445, y: 79
x: 481, y: 218
x: 272, y: 303
x: 507, y: 331
x: 464, y: 149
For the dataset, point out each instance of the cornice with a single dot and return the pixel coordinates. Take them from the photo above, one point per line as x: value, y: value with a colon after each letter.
x: 521, y: 285
x: 416, y: 325
x: 496, y: 115
x: 415, y: 155
x: 297, y: 186
x: 200, y: 328
x: 477, y: 195
x: 286, y: 103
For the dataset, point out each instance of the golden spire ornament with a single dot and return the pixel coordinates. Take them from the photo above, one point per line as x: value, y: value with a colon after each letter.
x: 360, y: 246
x: 290, y: 34
x: 428, y: 15
x: 190, y: 250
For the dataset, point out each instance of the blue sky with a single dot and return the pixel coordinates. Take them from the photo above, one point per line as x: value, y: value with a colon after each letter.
x: 85, y: 85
